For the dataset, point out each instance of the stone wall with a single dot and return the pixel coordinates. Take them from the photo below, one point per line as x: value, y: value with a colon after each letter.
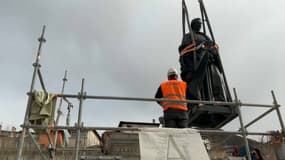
x: 8, y: 150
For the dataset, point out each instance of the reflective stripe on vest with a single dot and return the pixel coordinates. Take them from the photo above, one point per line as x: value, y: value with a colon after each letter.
x: 174, y: 90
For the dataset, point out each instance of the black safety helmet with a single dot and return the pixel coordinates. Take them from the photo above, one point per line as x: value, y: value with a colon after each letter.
x: 196, y: 24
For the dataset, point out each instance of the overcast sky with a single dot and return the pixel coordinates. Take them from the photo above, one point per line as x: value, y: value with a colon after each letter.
x: 125, y: 47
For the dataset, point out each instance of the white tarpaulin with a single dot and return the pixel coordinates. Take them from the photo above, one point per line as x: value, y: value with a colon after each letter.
x: 170, y: 144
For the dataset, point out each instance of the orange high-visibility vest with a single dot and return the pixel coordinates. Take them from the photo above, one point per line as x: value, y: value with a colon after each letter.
x: 174, y: 90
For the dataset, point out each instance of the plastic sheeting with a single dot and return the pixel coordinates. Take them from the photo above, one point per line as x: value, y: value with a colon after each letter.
x: 168, y: 144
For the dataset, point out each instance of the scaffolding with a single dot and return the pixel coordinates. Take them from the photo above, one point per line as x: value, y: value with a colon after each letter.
x: 82, y: 95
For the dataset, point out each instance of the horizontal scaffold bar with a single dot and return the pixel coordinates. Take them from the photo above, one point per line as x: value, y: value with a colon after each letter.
x: 136, y: 129
x: 215, y: 103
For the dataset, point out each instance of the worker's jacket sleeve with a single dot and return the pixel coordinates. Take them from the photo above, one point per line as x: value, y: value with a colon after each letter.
x: 158, y: 94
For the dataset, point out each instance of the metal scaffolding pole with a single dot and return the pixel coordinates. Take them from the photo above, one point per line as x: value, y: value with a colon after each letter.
x: 215, y: 103
x: 203, y: 19
x: 276, y: 106
x: 86, y: 128
x: 81, y: 98
x: 202, y: 6
x: 37, y: 146
x: 59, y: 112
x: 206, y: 18
x: 186, y: 15
x: 26, y: 120
x: 259, y: 117
x: 241, y: 124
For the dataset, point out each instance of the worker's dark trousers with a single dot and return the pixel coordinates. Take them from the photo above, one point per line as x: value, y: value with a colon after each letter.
x: 174, y: 118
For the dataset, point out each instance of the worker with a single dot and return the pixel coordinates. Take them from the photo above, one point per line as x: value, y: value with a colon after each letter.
x: 193, y: 71
x: 174, y: 113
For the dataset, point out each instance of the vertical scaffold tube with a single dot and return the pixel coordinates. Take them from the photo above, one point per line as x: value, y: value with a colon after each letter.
x: 276, y: 106
x: 81, y: 98
x: 26, y: 120
x: 242, y: 126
